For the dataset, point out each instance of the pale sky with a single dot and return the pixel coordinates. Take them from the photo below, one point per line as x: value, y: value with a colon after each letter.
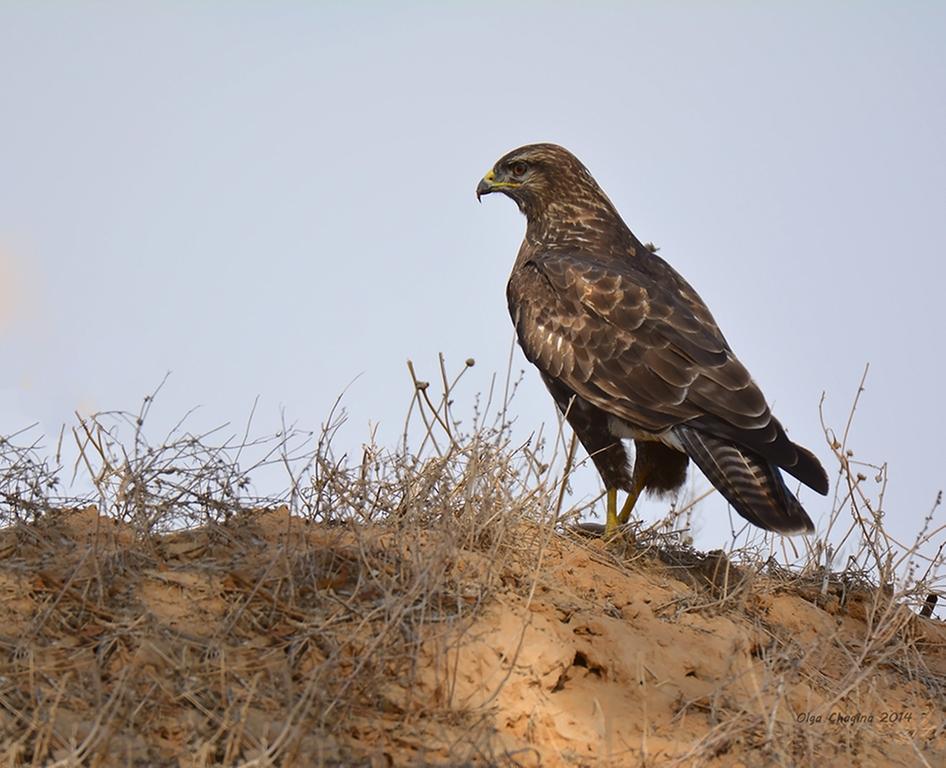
x: 271, y: 199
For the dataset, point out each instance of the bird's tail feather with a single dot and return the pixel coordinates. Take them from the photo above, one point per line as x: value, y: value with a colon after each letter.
x: 752, y: 485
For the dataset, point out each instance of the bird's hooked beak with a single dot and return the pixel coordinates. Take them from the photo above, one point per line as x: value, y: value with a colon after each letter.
x: 489, y: 183
x: 485, y: 186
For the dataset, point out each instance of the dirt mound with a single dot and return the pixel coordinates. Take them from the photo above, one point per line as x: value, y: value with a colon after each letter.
x: 269, y: 640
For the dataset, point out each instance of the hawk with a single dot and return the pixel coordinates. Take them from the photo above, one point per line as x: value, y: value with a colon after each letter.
x: 629, y: 350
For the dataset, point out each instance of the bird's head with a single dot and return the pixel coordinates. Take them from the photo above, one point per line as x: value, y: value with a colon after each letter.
x: 539, y: 177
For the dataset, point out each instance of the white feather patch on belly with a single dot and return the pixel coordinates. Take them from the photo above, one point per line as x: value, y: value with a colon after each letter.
x: 622, y: 429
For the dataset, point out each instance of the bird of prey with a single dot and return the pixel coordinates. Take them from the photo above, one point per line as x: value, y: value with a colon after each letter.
x: 628, y: 349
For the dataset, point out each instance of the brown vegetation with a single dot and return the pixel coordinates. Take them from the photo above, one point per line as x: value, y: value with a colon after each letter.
x: 435, y: 605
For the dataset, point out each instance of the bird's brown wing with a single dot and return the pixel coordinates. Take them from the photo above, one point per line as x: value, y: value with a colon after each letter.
x: 634, y: 339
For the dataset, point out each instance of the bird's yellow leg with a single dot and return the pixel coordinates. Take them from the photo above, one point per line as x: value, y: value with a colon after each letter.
x: 611, y: 524
x: 632, y: 496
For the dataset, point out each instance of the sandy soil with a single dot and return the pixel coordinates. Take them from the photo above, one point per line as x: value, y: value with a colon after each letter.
x: 272, y: 640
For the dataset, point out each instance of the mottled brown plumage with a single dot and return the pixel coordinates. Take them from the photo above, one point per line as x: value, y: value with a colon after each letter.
x: 629, y: 350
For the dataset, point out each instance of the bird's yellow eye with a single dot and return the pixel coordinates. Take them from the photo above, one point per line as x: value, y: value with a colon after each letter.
x: 519, y: 169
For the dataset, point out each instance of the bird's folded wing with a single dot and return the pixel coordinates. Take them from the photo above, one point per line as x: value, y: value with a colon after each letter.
x: 636, y: 340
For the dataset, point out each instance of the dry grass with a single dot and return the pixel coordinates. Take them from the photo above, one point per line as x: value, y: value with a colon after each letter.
x: 171, y: 618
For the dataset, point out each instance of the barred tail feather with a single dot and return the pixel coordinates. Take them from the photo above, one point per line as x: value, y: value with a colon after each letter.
x: 752, y: 485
